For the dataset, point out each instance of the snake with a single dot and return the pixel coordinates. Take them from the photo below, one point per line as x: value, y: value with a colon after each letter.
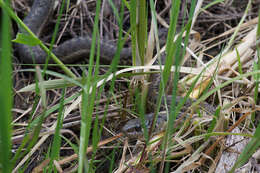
x: 79, y: 47
x: 69, y: 51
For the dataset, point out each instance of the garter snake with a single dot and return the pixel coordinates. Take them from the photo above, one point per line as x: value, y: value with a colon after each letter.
x: 70, y: 50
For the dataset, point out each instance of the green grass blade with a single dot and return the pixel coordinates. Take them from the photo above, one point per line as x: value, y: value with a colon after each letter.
x: 5, y: 93
x: 114, y: 9
x: 142, y: 30
x: 27, y: 135
x: 214, y: 121
x: 120, y: 43
x: 231, y: 41
x: 54, y: 36
x: 112, y: 161
x: 211, y: 4
x: 83, y: 131
x: 239, y: 62
x: 257, y: 66
x: 133, y: 7
x: 249, y: 150
x: 55, y: 149
x: 88, y: 99
x: 175, y: 50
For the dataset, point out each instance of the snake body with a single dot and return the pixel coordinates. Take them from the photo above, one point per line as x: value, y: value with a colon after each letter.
x: 69, y: 51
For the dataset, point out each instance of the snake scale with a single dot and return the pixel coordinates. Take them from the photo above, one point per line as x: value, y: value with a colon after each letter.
x: 79, y: 47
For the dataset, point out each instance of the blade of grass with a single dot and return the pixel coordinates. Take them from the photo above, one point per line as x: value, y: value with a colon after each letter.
x: 88, y: 98
x: 141, y: 29
x: 5, y: 92
x: 112, y: 161
x: 120, y: 43
x: 169, y: 60
x: 211, y: 4
x: 133, y: 7
x: 214, y: 121
x: 54, y: 36
x: 126, y: 4
x: 171, y: 50
x: 87, y: 107
x: 114, y: 9
x: 178, y: 56
x: 239, y: 62
x: 249, y: 150
x: 95, y: 134
x: 27, y: 135
x: 257, y: 65
x: 55, y: 148
x: 230, y: 43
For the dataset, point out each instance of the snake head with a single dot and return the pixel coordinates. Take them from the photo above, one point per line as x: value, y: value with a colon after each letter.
x: 133, y: 128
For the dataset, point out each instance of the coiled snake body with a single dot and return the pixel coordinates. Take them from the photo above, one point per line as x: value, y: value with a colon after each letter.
x: 79, y: 47
x: 69, y: 51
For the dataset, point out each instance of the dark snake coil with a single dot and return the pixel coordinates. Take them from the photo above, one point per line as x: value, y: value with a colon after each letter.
x: 69, y: 51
